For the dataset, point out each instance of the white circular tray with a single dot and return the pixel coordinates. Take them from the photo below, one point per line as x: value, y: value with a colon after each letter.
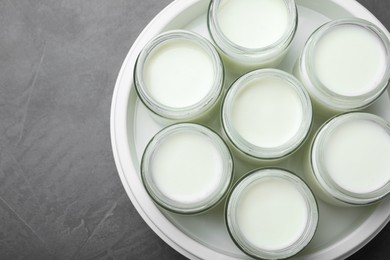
x: 341, y: 231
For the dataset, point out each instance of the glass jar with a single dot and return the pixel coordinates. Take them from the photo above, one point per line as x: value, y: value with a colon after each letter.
x: 186, y: 168
x: 179, y: 77
x: 345, y: 65
x: 348, y: 162
x: 271, y: 214
x: 266, y: 114
x: 252, y: 34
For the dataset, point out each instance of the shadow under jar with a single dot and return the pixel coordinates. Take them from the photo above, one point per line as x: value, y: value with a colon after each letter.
x: 345, y: 65
x: 252, y: 34
x: 266, y: 115
x: 187, y: 168
x: 179, y: 76
x: 349, y: 160
x: 271, y: 214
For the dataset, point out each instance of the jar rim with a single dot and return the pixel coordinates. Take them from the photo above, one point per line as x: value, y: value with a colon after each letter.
x: 198, y: 206
x: 321, y: 173
x: 188, y: 112
x: 267, y: 152
x: 274, y: 173
x: 323, y: 93
x: 238, y: 52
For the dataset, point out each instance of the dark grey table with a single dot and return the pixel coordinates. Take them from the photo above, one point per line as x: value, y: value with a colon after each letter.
x: 60, y: 195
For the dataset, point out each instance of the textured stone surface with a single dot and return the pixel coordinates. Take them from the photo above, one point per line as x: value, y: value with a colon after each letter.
x: 60, y: 195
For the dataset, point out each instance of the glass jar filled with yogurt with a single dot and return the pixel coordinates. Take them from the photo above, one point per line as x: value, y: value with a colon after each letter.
x: 179, y: 77
x: 266, y: 115
x: 252, y: 34
x: 349, y: 160
x: 271, y: 214
x: 187, y: 168
x: 345, y: 65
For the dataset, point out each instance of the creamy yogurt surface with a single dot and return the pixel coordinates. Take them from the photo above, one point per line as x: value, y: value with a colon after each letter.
x: 253, y: 23
x: 187, y: 167
x: 357, y: 156
x: 271, y: 213
x: 179, y: 73
x: 267, y: 112
x: 349, y: 60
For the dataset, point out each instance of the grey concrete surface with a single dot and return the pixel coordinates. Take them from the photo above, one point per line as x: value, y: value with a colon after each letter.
x: 60, y: 195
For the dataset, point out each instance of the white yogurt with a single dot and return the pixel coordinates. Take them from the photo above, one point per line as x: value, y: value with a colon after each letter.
x: 350, y: 60
x: 350, y: 160
x: 271, y: 214
x: 252, y: 34
x: 267, y: 109
x: 357, y: 156
x: 186, y: 168
x: 179, y: 73
x: 253, y: 23
x: 267, y: 112
x: 344, y: 65
x: 179, y: 76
